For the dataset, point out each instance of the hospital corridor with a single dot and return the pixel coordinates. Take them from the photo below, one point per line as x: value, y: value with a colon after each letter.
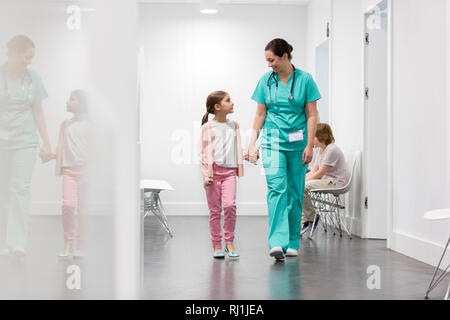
x: 225, y: 150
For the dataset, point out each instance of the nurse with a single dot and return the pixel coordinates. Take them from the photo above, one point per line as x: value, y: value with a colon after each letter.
x: 287, y: 113
x: 21, y: 117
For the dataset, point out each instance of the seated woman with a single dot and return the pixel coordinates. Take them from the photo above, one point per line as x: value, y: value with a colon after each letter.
x: 329, y: 171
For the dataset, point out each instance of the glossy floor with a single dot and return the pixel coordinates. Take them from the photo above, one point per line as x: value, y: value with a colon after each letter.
x: 328, y: 267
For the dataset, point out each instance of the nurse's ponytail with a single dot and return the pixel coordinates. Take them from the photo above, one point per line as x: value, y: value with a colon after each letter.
x: 214, y: 98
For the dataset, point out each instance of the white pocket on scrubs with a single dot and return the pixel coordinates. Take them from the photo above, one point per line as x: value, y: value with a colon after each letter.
x: 296, y: 136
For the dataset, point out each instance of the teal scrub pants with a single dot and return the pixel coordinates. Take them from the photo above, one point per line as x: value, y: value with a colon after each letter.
x: 16, y: 169
x: 285, y: 177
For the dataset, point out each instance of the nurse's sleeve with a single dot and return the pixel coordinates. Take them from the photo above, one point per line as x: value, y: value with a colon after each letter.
x: 258, y: 94
x: 312, y: 92
x: 39, y: 89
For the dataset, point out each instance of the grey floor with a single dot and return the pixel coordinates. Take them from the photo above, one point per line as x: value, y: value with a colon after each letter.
x: 182, y: 267
x: 328, y: 267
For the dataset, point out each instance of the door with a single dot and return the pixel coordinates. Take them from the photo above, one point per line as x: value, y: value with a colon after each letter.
x: 375, y: 123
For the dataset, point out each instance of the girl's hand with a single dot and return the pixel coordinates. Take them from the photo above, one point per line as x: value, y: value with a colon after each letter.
x: 208, y: 181
x: 307, y: 155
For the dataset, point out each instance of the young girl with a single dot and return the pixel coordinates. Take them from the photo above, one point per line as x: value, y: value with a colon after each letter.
x: 71, y: 157
x: 221, y: 160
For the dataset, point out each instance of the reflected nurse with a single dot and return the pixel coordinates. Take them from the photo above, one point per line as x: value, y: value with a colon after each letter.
x: 287, y: 114
x: 21, y: 122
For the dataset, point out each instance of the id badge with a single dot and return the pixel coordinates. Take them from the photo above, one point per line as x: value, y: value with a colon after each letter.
x: 296, y: 136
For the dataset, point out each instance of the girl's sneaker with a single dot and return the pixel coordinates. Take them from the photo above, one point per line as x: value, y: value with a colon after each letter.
x: 219, y: 255
x: 232, y: 254
x: 64, y: 255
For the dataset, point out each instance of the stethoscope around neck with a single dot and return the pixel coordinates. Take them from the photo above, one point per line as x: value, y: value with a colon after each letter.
x: 272, y: 76
x: 25, y: 79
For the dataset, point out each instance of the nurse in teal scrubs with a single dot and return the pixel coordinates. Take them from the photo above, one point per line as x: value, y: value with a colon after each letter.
x: 287, y: 114
x: 21, y: 118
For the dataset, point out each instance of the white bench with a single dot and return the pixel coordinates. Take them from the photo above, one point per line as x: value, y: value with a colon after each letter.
x: 152, y: 202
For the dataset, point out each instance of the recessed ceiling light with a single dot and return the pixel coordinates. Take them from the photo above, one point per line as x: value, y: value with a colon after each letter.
x: 208, y: 6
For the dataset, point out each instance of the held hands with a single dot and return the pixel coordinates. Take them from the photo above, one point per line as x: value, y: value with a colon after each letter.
x: 46, y: 154
x: 307, y: 155
x: 252, y: 155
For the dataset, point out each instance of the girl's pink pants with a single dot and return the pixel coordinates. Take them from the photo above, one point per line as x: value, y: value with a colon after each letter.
x: 73, y: 201
x: 222, y: 193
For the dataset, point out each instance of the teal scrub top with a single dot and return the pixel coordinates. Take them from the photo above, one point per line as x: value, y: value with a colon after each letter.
x: 18, y: 129
x: 283, y: 116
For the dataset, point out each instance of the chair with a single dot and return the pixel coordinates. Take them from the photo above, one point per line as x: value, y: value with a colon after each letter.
x: 328, y: 202
x: 435, y: 215
x: 152, y: 202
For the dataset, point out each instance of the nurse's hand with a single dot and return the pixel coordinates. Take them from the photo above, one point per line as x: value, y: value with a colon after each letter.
x: 307, y: 155
x: 252, y: 155
x: 46, y: 154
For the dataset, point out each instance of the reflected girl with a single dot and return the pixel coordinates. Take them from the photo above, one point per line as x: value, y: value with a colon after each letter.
x: 71, y: 163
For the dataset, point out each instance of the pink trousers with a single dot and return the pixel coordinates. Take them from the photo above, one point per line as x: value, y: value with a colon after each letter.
x: 222, y: 193
x: 73, y: 198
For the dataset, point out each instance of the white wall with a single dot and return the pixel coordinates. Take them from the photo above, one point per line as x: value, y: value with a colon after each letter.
x: 419, y: 53
x: 448, y: 92
x: 317, y: 16
x: 189, y: 55
x: 420, y: 121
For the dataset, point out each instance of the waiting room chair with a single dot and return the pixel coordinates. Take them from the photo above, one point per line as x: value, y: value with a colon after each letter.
x: 328, y: 202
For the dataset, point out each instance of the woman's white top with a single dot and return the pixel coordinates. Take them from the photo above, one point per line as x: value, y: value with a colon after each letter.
x: 334, y: 157
x: 224, y: 144
x: 75, y: 143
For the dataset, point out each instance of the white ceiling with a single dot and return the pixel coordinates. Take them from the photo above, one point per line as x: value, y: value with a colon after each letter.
x: 281, y: 2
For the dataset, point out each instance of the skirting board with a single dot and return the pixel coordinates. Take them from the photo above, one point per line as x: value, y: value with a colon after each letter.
x: 419, y: 249
x: 172, y: 208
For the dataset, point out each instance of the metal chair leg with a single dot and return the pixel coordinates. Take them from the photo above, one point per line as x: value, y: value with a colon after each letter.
x: 447, y: 295
x: 163, y: 215
x: 154, y: 205
x: 433, y: 283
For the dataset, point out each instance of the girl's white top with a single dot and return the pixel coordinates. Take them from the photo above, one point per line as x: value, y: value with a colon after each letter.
x: 224, y: 144
x: 75, y: 144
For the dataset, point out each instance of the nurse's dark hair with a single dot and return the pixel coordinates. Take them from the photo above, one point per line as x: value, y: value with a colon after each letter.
x: 19, y: 44
x: 324, y: 133
x: 214, y: 98
x: 279, y: 47
x: 83, y: 99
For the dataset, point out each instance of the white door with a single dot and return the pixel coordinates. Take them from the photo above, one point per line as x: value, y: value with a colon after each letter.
x: 375, y: 123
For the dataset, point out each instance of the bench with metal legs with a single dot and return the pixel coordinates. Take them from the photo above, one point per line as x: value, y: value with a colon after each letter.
x: 443, y: 214
x: 152, y: 202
